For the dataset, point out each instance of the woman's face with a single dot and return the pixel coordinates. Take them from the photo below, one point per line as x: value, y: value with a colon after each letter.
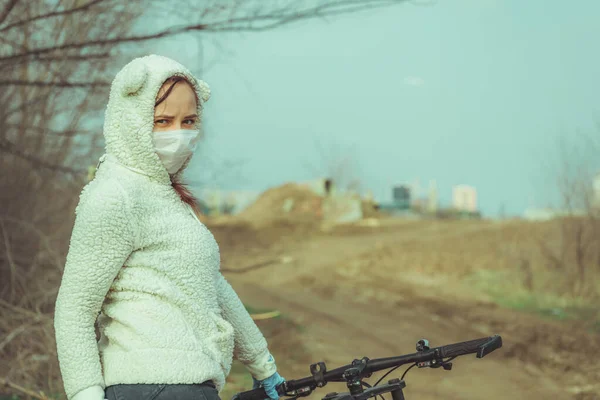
x: 178, y: 110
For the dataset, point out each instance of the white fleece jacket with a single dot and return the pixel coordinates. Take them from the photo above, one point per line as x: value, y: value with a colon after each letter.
x: 145, y: 267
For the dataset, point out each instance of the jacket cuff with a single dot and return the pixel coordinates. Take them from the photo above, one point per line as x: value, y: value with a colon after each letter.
x: 91, y: 393
x: 262, y: 367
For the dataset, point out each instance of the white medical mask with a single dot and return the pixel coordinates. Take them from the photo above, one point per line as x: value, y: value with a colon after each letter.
x: 175, y: 147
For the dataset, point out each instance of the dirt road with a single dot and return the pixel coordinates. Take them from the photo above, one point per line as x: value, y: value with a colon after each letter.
x: 348, y: 308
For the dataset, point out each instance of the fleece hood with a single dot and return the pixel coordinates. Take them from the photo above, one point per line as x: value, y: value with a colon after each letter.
x: 129, y: 119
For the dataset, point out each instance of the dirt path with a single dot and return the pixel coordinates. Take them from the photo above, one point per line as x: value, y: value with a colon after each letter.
x: 339, y: 325
x: 338, y: 331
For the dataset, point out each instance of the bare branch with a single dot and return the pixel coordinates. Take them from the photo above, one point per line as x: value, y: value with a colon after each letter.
x: 54, y: 84
x: 266, y: 315
x: 7, y: 9
x: 50, y: 15
x: 8, y: 147
x: 249, y: 268
x: 11, y: 263
x: 258, y: 265
x: 48, y: 130
x: 33, y: 227
x: 284, y: 18
x: 23, y: 390
x: 74, y: 57
x: 337, y: 162
x: 248, y: 23
x: 22, y: 106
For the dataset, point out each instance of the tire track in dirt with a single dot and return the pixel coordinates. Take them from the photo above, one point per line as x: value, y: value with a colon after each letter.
x: 338, y: 329
x: 290, y: 301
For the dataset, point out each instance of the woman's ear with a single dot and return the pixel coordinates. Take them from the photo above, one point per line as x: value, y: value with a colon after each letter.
x: 204, y: 90
x: 130, y: 80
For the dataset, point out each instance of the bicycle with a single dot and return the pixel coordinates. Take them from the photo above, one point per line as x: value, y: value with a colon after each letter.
x: 354, y: 373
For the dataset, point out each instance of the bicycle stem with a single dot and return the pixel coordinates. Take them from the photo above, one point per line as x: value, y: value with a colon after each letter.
x: 337, y: 375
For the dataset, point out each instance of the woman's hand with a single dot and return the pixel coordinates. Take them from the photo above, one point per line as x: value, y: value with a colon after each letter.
x: 270, y: 384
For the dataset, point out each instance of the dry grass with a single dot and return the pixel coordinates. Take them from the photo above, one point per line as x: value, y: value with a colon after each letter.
x: 31, y: 262
x: 36, y: 217
x: 506, y: 263
x: 502, y: 260
x: 286, y: 346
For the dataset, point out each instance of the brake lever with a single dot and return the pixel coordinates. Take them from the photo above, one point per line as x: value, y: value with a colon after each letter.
x: 295, y: 394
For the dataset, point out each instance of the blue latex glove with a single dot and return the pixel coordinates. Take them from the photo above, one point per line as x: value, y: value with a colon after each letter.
x: 270, y: 384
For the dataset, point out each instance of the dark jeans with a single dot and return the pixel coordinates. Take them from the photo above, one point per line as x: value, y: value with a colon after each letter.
x: 203, y: 391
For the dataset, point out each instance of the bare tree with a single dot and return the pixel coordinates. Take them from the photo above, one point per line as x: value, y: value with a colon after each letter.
x: 57, y: 58
x: 59, y: 48
x: 574, y: 252
x: 338, y: 162
x: 47, y: 103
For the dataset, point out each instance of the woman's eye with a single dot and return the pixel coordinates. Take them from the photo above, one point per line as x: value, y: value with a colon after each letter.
x: 189, y: 121
x: 160, y: 121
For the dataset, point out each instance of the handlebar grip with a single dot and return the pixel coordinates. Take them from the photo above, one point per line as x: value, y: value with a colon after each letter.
x: 254, y: 394
x: 481, y: 346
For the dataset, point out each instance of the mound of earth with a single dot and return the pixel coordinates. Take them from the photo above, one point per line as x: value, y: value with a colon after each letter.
x: 290, y: 202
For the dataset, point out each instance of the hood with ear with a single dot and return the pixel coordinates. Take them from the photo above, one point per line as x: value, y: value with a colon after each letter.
x: 129, y: 119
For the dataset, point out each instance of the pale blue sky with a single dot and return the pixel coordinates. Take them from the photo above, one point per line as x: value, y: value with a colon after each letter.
x: 465, y: 92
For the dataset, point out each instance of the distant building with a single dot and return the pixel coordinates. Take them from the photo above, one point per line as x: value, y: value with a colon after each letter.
x: 433, y: 198
x: 401, y: 195
x: 416, y: 191
x: 596, y: 191
x: 464, y: 198
x: 401, y: 200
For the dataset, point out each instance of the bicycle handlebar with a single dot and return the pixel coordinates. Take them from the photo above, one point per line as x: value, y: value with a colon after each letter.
x: 482, y: 347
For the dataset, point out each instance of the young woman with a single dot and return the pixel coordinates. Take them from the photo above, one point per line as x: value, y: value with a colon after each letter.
x: 143, y: 265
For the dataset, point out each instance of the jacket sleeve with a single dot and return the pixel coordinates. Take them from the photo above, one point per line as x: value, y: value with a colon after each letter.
x: 250, y: 344
x: 101, y: 240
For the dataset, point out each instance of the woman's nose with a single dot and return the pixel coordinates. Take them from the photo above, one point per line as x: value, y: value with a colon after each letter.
x: 176, y: 126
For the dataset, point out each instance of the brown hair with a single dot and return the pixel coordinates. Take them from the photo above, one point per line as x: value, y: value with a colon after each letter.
x: 181, y: 188
x: 174, y: 80
x: 186, y: 195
